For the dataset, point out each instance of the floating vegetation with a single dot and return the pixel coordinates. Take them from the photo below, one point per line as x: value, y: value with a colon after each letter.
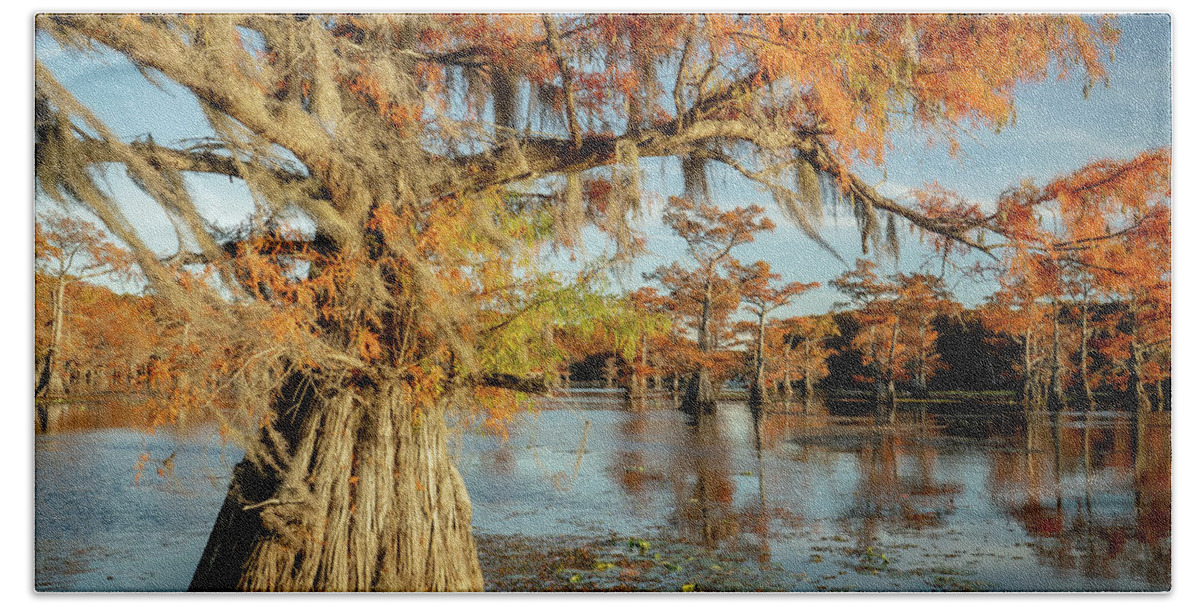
x: 613, y: 563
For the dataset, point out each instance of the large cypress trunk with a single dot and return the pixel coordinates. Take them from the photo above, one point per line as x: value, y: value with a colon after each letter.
x: 349, y: 489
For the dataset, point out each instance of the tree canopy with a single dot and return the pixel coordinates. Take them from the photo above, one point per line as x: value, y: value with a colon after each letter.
x: 434, y: 157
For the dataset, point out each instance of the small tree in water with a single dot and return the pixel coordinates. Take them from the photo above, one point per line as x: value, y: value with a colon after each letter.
x: 1102, y: 229
x: 797, y: 346
x: 923, y: 298
x: 895, y: 336
x: 710, y: 290
x: 874, y: 302
x: 762, y: 298
x: 68, y: 250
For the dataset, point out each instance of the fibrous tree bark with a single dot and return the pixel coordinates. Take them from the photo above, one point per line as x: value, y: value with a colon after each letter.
x: 359, y: 497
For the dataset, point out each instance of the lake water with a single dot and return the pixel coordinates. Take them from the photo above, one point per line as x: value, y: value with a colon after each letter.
x: 584, y: 495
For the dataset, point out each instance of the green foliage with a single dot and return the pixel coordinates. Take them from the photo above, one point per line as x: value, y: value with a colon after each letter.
x: 524, y: 341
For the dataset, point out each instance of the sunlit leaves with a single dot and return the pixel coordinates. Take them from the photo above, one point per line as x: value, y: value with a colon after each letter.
x: 894, y: 314
x: 430, y: 151
x: 1101, y: 234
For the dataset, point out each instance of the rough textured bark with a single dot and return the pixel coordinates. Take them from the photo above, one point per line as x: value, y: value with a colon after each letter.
x: 346, y: 491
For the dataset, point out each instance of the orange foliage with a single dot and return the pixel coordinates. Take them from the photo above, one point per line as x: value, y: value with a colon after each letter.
x: 895, y: 315
x: 381, y: 111
x: 1101, y: 232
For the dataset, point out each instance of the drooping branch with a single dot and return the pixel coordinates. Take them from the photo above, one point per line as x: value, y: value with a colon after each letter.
x: 205, y: 69
x: 299, y: 132
x: 955, y: 229
x: 1095, y: 241
x: 190, y: 60
x: 188, y: 160
x: 781, y: 194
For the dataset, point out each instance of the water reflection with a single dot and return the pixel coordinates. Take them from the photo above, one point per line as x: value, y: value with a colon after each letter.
x: 1093, y: 493
x: 1066, y: 502
x: 102, y: 526
x: 632, y: 468
x: 118, y: 411
x: 704, y: 488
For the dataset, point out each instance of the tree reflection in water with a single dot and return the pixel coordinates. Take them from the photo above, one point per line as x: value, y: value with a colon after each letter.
x: 1074, y: 501
x: 1093, y: 492
x: 704, y: 490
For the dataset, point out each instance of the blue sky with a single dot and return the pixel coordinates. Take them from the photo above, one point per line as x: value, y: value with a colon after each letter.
x: 1057, y: 130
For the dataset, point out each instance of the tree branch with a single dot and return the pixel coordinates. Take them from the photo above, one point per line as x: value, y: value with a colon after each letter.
x: 568, y: 82
x: 195, y: 161
x: 235, y: 92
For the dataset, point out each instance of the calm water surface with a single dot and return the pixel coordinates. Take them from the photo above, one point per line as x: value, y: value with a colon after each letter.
x: 818, y: 501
